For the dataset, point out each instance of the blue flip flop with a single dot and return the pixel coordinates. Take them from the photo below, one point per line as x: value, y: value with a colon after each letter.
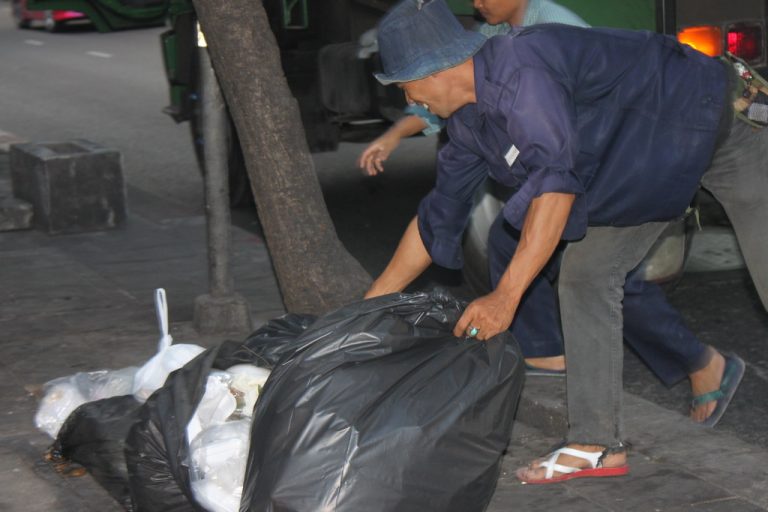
x: 732, y: 375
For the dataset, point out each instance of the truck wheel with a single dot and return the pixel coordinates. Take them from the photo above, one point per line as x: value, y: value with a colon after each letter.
x: 665, y: 261
x: 485, y: 210
x: 50, y: 23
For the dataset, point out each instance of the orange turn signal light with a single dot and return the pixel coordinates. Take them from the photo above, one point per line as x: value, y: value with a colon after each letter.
x: 707, y: 39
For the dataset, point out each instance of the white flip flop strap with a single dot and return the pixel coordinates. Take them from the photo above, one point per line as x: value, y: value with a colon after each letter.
x: 161, y: 307
x: 551, y: 463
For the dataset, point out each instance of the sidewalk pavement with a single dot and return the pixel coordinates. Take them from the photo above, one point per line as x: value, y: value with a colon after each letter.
x: 84, y: 302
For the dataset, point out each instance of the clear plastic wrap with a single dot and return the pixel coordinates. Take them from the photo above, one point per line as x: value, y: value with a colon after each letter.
x: 247, y: 383
x: 219, y: 448
x: 215, y: 407
x: 217, y: 465
x: 64, y: 395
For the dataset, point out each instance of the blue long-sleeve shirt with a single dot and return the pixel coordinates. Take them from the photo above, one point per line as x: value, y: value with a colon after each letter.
x: 625, y: 120
x: 536, y: 12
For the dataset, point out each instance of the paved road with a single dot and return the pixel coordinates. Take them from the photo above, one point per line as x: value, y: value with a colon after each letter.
x: 110, y: 88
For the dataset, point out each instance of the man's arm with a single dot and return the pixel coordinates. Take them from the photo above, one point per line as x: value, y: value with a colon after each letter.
x: 372, y: 158
x: 542, y: 229
x: 409, y: 261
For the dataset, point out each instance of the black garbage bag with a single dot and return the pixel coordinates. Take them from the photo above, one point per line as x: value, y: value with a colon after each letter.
x: 381, y: 408
x: 94, y: 437
x: 275, y: 339
x: 157, y: 446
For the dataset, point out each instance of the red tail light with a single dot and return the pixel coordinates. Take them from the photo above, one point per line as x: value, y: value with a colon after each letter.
x: 746, y: 41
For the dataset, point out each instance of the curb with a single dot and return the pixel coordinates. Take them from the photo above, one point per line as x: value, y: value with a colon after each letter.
x: 542, y: 405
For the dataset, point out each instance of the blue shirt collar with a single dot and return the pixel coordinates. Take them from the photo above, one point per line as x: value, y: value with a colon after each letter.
x: 471, y: 114
x: 487, y: 93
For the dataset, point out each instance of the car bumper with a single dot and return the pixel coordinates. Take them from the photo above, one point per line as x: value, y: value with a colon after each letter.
x: 67, y: 15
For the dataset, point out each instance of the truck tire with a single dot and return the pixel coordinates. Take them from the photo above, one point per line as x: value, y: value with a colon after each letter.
x: 50, y: 23
x: 487, y: 206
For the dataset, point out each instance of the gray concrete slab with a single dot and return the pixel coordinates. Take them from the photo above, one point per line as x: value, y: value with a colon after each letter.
x: 31, y: 484
x: 674, y: 462
x: 724, y: 505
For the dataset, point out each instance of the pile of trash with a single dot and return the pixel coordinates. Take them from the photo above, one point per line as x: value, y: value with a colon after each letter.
x: 375, y: 407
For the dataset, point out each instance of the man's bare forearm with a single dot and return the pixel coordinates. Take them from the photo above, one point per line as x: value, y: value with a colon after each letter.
x: 542, y: 229
x: 409, y: 261
x: 491, y: 314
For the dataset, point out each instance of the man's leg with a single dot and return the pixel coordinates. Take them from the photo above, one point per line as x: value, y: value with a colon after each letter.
x: 591, y: 286
x: 738, y: 178
x: 592, y: 277
x: 655, y: 330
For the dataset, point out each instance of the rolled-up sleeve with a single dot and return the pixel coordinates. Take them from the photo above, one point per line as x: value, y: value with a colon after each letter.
x: 444, y: 212
x: 540, y: 121
x: 434, y: 123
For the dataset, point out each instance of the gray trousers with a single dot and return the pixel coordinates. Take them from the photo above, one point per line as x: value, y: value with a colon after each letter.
x: 593, y: 272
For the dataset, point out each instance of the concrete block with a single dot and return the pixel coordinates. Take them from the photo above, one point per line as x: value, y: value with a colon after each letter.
x: 15, y: 214
x: 73, y: 186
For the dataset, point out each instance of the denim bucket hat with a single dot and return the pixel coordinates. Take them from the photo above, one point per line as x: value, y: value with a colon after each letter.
x: 418, y: 38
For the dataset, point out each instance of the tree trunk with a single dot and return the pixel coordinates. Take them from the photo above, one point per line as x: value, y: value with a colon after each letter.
x: 314, y: 270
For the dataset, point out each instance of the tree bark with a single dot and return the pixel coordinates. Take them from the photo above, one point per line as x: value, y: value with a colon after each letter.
x: 314, y: 270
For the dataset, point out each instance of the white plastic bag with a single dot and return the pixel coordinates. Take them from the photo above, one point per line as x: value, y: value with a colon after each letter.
x: 60, y: 399
x: 216, y: 405
x: 64, y: 395
x: 247, y: 381
x: 228, y: 395
x: 219, y: 448
x: 217, y: 465
x: 169, y: 358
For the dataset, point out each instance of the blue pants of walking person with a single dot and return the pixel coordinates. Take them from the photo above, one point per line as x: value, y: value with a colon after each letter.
x: 651, y: 326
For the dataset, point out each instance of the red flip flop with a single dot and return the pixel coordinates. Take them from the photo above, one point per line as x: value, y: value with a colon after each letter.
x: 570, y: 473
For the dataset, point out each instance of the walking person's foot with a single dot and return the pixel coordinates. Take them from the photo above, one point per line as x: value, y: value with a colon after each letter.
x: 713, y: 387
x: 554, y: 366
x: 705, y: 381
x: 554, y: 363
